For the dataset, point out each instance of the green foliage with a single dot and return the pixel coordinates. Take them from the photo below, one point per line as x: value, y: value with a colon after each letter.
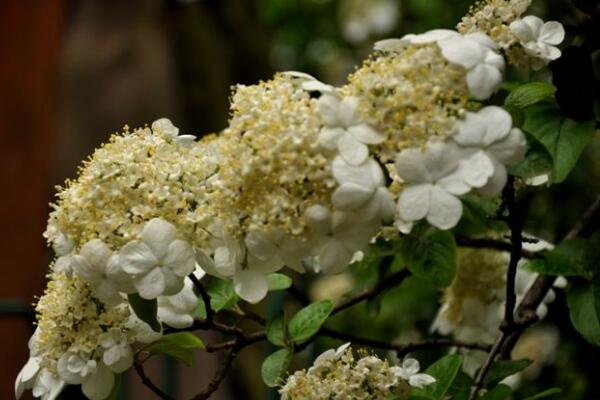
x: 308, y: 320
x: 544, y: 394
x: 278, y: 282
x: 500, y: 392
x: 444, y: 371
x: 461, y: 386
x: 502, y: 369
x: 178, y: 345
x: 476, y: 216
x: 573, y: 257
x: 529, y: 94
x: 584, y: 312
x: 430, y: 254
x: 276, y: 331
x: 537, y: 162
x: 564, y: 138
x: 114, y: 394
x: 145, y: 310
x: 222, y: 297
x: 275, y: 366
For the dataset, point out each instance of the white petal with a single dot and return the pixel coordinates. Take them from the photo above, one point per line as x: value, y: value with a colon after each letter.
x: 328, y: 106
x: 173, y: 282
x: 329, y: 137
x: 97, y: 253
x: 366, y: 134
x: 471, y: 130
x: 206, y: 263
x: 410, y: 165
x: 483, y: 81
x: 98, y: 385
x: 535, y: 24
x: 522, y: 31
x: 84, y: 269
x: 475, y: 170
x: 186, y: 140
x: 175, y: 318
x: 151, y: 285
x: 347, y: 112
x: 389, y: 45
x: 292, y: 251
x: 551, y: 52
x: 512, y: 149
x: 441, y: 158
x: 445, y: 209
x: 180, y: 258
x: 414, y: 201
x: 250, y: 285
x: 482, y: 39
x: 368, y: 174
x: 122, y: 280
x: 498, y: 123
x: 411, y: 366
x: 387, y: 205
x: 351, y: 150
x: 455, y: 183
x: 165, y: 126
x: 496, y: 182
x: 137, y: 258
x: 107, y: 292
x: 334, y: 257
x: 466, y: 53
x: 434, y: 35
x: 421, y: 380
x: 260, y: 245
x: 63, y: 245
x: 318, y: 218
x: 351, y: 197
x: 157, y: 235
x: 124, y: 362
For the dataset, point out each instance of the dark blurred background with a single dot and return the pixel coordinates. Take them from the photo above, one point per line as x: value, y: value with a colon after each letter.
x: 72, y: 72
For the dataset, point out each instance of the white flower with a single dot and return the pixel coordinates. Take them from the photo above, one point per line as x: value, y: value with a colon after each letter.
x: 345, y: 129
x: 432, y: 185
x: 309, y: 82
x: 99, y: 266
x: 63, y: 248
x: 338, y: 236
x: 539, y: 39
x: 140, y: 331
x: 277, y: 248
x: 160, y: 262
x: 330, y: 355
x: 177, y: 310
x: 165, y: 126
x: 47, y: 385
x: 493, y: 143
x: 362, y: 189
x: 96, y: 379
x: 117, y: 355
x: 409, y: 371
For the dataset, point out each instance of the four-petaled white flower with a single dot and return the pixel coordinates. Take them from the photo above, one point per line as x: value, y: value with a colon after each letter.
x: 539, y: 39
x: 492, y: 142
x: 345, y: 129
x: 159, y: 262
x: 338, y: 236
x: 362, y: 189
x: 166, y: 127
x: 96, y: 379
x: 177, y: 310
x: 409, y: 371
x: 277, y: 248
x: 433, y: 182
x: 100, y: 268
x: 117, y: 354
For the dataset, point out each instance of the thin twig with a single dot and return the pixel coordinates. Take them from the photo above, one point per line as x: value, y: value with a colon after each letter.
x: 148, y: 383
x: 516, y: 239
x: 204, y: 295
x: 219, y: 376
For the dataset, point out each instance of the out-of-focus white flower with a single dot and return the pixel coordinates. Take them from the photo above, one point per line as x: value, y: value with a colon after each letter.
x: 330, y: 355
x: 362, y: 189
x: 539, y: 39
x: 117, y: 354
x: 177, y: 310
x: 100, y: 268
x: 160, y: 262
x: 432, y: 185
x: 165, y: 126
x: 338, y: 236
x: 409, y: 371
x: 276, y: 248
x: 493, y: 143
x: 345, y: 129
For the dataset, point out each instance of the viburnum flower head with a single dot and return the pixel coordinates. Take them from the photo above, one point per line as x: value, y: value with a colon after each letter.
x: 345, y: 129
x: 159, y: 262
x: 539, y: 39
x: 433, y: 182
x: 488, y: 135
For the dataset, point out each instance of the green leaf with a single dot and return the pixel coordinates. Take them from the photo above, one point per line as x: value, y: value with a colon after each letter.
x: 114, y: 393
x: 516, y: 114
x: 145, y: 310
x: 178, y: 345
x: 569, y: 258
x: 430, y: 254
x: 545, y: 393
x: 504, y: 368
x: 222, y: 294
x: 461, y: 386
x: 583, y: 312
x: 275, y: 366
x: 308, y: 320
x: 444, y: 371
x: 275, y: 332
x: 529, y: 93
x: 564, y: 138
x: 278, y: 282
x: 475, y: 219
x: 537, y: 162
x: 500, y: 392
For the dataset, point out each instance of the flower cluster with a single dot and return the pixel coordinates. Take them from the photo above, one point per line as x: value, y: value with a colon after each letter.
x: 336, y: 374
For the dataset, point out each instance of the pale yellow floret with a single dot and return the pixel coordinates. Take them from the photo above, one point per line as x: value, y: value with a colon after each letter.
x: 412, y: 94
x: 70, y: 318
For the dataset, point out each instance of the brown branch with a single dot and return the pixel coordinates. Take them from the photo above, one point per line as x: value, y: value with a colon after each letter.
x: 219, y: 376
x: 148, y: 383
x: 204, y: 295
x: 516, y: 239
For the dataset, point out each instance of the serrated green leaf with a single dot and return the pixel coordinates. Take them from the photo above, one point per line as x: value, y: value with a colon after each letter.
x: 500, y: 392
x: 444, y: 371
x: 145, y: 310
x: 308, y: 320
x: 278, y: 282
x: 516, y: 114
x: 430, y: 254
x: 222, y: 294
x: 529, y: 94
x: 461, y: 386
x: 544, y: 394
x: 564, y: 138
x: 569, y: 258
x: 178, y: 345
x: 275, y: 332
x: 583, y: 312
x: 502, y: 369
x: 275, y: 366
